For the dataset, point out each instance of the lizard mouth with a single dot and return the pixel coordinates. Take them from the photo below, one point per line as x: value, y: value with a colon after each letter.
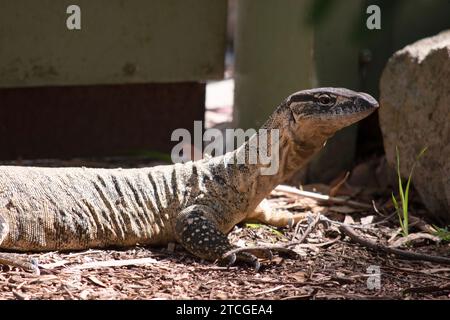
x: 361, y: 106
x: 345, y: 114
x: 350, y: 110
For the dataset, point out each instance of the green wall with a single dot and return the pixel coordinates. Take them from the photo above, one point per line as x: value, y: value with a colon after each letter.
x: 120, y: 41
x: 273, y: 57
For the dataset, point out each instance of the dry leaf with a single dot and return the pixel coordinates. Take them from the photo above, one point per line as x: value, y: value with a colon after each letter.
x: 299, y: 276
x: 367, y: 220
x: 349, y: 220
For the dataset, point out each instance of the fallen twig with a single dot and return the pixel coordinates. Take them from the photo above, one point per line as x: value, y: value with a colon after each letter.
x: 374, y: 206
x: 269, y: 290
x: 114, y: 263
x: 50, y: 266
x: 308, y: 230
x: 303, y: 296
x: 322, y: 197
x: 386, y: 219
x: 414, y: 236
x: 366, y: 226
x: 281, y: 248
x: 401, y: 253
x: 294, y: 283
x: 428, y: 289
x: 426, y: 272
x: 274, y: 247
x: 306, y: 245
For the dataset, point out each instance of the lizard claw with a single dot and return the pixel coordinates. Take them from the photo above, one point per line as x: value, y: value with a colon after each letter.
x: 243, y: 257
x: 257, y: 265
x: 248, y: 258
x: 291, y: 223
x: 231, y: 259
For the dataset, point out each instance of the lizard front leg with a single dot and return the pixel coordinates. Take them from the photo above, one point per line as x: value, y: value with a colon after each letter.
x: 197, y: 231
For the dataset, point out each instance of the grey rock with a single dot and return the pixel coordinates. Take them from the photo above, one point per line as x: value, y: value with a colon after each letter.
x: 415, y: 113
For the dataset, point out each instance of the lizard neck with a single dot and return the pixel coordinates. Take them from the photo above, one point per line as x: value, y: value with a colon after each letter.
x: 269, y: 158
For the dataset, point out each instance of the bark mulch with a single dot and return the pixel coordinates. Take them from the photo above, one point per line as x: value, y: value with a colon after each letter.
x: 328, y: 265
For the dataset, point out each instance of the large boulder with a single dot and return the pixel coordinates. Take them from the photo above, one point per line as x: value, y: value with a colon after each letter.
x: 415, y: 113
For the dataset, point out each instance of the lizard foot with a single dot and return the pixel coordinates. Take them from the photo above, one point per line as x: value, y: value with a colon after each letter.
x: 241, y: 257
x: 198, y: 233
x: 262, y: 251
x: 17, y: 260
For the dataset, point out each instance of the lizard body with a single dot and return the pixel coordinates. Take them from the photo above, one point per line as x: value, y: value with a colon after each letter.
x: 195, y: 204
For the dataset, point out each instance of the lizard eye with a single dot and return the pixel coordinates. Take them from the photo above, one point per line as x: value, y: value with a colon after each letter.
x: 325, y: 99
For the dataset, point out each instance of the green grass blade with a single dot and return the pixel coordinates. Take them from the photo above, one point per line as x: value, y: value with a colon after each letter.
x: 397, y: 210
x: 400, y: 186
x: 405, y: 206
x: 421, y: 153
x: 394, y: 201
x: 403, y: 214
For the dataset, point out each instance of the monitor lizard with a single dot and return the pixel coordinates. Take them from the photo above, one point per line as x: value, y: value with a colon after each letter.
x: 194, y: 204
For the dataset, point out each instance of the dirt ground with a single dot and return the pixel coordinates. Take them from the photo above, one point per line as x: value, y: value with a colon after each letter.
x: 328, y: 264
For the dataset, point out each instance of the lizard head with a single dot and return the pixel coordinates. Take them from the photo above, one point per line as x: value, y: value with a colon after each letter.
x: 317, y: 114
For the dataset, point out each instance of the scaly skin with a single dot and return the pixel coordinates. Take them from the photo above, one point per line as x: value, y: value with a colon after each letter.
x: 195, y: 204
